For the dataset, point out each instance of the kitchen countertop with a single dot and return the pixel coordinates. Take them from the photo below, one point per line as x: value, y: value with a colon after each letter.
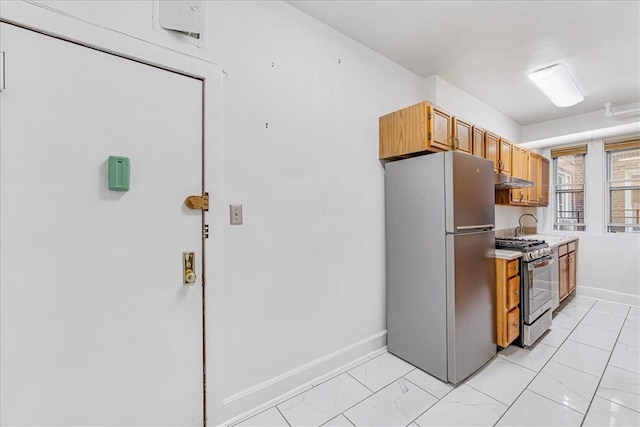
x: 551, y: 239
x: 508, y: 255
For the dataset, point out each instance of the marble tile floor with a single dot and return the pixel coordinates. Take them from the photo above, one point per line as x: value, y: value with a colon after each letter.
x: 584, y: 371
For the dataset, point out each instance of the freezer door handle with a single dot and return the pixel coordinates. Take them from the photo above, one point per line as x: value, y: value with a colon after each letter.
x: 475, y: 227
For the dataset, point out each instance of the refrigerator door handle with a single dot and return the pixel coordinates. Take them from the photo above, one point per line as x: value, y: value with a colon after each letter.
x: 475, y: 227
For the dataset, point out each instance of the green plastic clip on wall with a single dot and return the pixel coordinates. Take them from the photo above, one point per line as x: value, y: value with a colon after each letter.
x: 119, y: 172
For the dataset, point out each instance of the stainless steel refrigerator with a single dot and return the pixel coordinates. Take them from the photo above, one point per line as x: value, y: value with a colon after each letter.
x: 440, y: 267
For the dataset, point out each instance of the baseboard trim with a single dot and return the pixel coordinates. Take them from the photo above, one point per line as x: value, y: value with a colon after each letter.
x: 608, y: 295
x: 259, y: 397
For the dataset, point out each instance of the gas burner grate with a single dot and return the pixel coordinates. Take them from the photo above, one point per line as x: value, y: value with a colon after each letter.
x: 518, y: 244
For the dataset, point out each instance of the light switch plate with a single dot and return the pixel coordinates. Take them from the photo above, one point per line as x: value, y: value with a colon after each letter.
x: 236, y: 214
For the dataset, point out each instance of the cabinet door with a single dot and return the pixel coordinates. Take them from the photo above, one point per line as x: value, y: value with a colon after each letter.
x: 404, y: 132
x: 440, y: 128
x: 563, y: 266
x: 506, y: 156
x: 513, y: 324
x: 513, y: 267
x: 519, y: 169
x: 462, y: 136
x: 544, y: 182
x: 491, y: 148
x: 516, y: 153
x: 478, y: 141
x: 571, y: 271
x: 513, y: 293
x: 533, y: 196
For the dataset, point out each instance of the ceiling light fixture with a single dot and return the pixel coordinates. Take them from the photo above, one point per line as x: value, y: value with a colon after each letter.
x: 557, y: 84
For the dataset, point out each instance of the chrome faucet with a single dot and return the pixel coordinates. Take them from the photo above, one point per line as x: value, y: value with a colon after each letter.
x: 520, y: 229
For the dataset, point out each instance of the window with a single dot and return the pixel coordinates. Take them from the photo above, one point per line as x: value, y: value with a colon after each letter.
x: 568, y: 172
x: 623, y: 185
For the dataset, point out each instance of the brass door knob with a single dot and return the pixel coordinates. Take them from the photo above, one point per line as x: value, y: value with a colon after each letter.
x: 190, y: 276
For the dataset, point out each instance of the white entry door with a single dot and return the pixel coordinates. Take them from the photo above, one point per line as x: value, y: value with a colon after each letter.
x: 97, y: 327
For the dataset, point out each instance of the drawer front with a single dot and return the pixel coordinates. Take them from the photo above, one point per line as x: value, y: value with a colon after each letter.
x: 513, y: 267
x: 572, y: 246
x: 513, y: 324
x: 513, y: 292
x: 562, y: 250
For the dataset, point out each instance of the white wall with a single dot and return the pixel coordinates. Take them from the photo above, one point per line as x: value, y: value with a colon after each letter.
x: 608, y: 263
x: 589, y: 122
x: 304, y: 277
x: 462, y: 104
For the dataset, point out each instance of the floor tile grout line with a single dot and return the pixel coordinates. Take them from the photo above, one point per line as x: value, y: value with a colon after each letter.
x: 340, y: 414
x: 255, y: 415
x: 347, y: 372
x: 595, y: 393
x: 373, y: 394
x: 623, y: 369
x: 387, y: 384
x: 426, y: 391
x: 589, y: 345
x: 348, y: 419
x: 360, y: 382
x: 488, y: 395
x: 564, y: 406
x: 283, y: 417
x: 311, y: 388
x: 543, y: 366
x: 430, y: 406
x: 329, y: 379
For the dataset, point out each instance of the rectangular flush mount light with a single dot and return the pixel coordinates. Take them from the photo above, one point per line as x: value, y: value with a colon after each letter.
x: 557, y: 84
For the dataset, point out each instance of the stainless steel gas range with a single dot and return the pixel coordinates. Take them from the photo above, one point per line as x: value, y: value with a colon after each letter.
x: 536, y: 289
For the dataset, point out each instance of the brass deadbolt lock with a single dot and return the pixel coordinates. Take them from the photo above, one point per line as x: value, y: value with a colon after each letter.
x: 188, y: 267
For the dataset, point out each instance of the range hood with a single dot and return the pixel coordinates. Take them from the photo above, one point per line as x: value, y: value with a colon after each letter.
x: 503, y: 181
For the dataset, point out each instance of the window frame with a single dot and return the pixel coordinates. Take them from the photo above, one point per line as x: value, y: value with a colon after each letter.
x: 628, y: 229
x: 558, y: 193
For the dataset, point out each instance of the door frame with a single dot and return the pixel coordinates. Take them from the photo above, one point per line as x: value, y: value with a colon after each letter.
x: 68, y: 28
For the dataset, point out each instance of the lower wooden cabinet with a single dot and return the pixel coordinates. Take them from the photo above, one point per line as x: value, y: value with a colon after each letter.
x: 567, y: 268
x: 507, y: 301
x: 513, y: 325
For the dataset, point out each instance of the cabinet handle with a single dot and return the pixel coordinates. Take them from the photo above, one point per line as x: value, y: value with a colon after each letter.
x: 515, y: 325
x: 521, y: 195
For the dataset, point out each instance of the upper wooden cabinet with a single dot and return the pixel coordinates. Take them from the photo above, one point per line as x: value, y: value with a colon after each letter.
x: 425, y: 128
x: 530, y: 166
x: 544, y: 182
x: 478, y: 141
x: 462, y: 135
x: 504, y: 163
x: 533, y: 193
x: 520, y: 169
x: 441, y: 128
x: 417, y: 129
x: 492, y: 149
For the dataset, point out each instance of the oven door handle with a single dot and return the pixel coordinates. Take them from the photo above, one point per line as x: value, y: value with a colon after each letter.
x: 544, y: 262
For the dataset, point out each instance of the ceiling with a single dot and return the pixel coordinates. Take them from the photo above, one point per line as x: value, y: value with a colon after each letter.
x: 488, y: 48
